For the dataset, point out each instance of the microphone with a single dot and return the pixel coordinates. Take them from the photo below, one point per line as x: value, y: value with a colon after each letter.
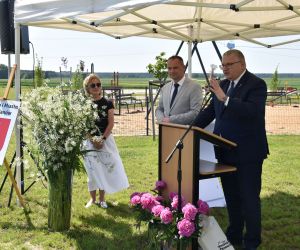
x: 212, y: 72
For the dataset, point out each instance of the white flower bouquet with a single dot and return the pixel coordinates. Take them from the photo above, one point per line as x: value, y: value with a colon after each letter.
x: 59, y: 122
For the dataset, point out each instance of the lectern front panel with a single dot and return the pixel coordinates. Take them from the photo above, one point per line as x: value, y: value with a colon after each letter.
x: 169, y: 136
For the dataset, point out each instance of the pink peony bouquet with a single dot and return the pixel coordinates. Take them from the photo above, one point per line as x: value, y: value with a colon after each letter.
x: 165, y: 222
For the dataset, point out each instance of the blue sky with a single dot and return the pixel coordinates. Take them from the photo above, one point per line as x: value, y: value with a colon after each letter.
x: 134, y: 54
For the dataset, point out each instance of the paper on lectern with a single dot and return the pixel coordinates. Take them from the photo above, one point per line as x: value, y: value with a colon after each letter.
x: 210, y: 190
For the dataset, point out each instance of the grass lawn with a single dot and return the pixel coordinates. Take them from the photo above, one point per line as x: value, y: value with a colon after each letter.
x: 114, y: 228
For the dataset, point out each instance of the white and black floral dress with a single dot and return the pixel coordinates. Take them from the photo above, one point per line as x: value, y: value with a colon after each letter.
x: 104, y: 167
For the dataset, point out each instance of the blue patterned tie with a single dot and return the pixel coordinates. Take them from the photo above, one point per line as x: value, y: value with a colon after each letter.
x: 176, y: 85
x: 230, y: 89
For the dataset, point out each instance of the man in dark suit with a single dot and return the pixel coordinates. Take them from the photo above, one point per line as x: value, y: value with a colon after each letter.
x: 238, y: 107
x: 180, y: 100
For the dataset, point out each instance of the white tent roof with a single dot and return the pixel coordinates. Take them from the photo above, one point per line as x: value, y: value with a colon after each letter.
x: 186, y: 20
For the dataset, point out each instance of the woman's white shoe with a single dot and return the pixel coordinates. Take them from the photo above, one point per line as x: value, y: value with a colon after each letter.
x: 103, y: 204
x: 90, y: 203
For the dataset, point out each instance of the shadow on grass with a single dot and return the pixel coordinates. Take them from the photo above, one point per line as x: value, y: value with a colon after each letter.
x: 280, y: 221
x: 112, y: 229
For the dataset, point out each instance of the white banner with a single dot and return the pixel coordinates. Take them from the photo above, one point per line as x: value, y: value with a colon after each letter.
x: 8, y: 115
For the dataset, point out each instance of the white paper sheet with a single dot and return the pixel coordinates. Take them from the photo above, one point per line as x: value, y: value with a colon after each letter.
x: 210, y: 190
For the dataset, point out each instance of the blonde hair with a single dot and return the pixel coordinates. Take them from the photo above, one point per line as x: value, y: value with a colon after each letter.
x: 87, y: 80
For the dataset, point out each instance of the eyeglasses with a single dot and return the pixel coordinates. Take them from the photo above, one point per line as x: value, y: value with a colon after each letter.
x: 94, y: 85
x: 228, y: 65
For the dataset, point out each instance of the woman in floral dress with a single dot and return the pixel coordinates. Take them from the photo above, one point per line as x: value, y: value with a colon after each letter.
x: 103, y: 164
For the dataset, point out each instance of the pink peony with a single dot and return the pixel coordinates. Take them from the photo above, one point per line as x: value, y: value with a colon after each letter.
x: 166, y: 216
x: 203, y: 207
x: 136, y: 199
x: 172, y: 195
x: 135, y: 193
x: 148, y: 201
x: 174, y: 203
x: 159, y: 198
x: 189, y: 211
x: 185, y: 228
x: 159, y: 185
x: 156, y: 210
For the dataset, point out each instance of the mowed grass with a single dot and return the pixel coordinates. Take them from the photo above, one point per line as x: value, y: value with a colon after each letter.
x: 93, y: 228
x: 114, y: 228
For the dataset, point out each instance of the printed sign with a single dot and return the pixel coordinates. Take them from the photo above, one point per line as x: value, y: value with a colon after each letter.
x: 4, y: 125
x: 8, y: 114
x: 212, y: 237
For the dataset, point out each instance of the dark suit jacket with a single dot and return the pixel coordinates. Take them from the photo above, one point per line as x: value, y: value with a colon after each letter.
x: 242, y: 121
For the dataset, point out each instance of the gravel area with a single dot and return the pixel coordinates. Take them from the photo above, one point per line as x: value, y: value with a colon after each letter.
x: 279, y: 120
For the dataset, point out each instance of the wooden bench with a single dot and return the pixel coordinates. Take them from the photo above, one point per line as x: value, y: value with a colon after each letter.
x: 273, y: 96
x: 111, y: 92
x: 128, y: 99
x: 286, y: 94
x: 292, y: 96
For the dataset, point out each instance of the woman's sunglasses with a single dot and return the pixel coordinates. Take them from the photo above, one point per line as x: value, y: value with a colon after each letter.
x: 94, y: 85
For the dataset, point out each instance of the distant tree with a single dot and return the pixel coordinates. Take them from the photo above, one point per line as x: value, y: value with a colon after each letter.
x: 3, y: 67
x: 275, y: 81
x: 81, y: 65
x: 38, y: 73
x: 159, y: 68
x: 64, y: 62
x: 78, y: 76
x: 3, y: 71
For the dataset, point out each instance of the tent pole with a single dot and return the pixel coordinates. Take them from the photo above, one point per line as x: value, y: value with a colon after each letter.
x: 202, y: 65
x: 8, y: 65
x: 18, y: 91
x: 189, y: 59
x: 179, y: 48
x: 190, y: 51
x: 217, y: 50
x: 193, y: 50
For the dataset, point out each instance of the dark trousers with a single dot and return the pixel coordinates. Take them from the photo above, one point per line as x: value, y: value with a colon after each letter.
x: 242, y: 194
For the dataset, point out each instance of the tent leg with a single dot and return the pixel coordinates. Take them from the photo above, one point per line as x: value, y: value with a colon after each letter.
x: 202, y: 65
x: 179, y: 48
x: 18, y: 93
x: 217, y: 50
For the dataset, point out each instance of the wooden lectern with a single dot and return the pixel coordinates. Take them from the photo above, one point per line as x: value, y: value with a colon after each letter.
x: 193, y: 169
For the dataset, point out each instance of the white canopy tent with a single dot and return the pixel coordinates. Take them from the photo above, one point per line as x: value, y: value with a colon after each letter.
x: 185, y: 20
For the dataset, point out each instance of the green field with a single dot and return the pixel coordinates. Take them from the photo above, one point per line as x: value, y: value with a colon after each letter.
x: 126, y: 82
